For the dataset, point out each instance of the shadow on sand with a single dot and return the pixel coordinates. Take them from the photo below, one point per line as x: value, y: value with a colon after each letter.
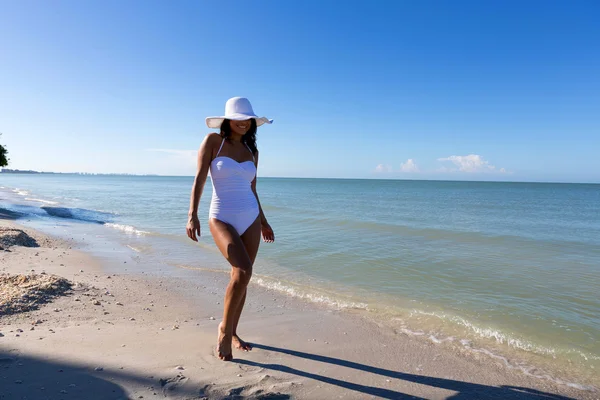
x: 464, y: 390
x: 27, y: 377
x: 23, y: 377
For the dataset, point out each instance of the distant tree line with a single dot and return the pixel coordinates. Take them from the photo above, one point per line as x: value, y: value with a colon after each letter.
x: 3, y: 156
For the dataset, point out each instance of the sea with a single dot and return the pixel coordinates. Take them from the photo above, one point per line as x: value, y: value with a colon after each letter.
x: 510, y: 271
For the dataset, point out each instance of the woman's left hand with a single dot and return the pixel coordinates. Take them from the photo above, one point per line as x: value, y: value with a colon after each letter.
x: 267, y: 233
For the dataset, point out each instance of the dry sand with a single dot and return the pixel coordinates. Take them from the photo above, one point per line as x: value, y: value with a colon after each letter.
x: 136, y: 336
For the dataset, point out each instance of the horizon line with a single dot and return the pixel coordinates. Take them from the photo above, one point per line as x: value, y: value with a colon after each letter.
x: 32, y: 172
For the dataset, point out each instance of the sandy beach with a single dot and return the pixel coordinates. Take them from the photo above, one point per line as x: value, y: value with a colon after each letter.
x: 130, y: 336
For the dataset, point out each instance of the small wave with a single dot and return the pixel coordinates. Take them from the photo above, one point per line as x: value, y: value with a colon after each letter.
x: 21, y: 192
x: 311, y: 296
x: 41, y: 201
x: 25, y: 210
x: 127, y: 229
x: 79, y: 214
x: 288, y: 289
x: 503, y: 338
x: 489, y: 333
x: 470, y: 346
x: 134, y: 249
x: 530, y: 371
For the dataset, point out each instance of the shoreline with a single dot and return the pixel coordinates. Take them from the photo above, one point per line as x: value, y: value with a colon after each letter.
x: 304, y: 350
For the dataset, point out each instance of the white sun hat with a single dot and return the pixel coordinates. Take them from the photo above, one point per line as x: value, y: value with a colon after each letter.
x: 237, y: 109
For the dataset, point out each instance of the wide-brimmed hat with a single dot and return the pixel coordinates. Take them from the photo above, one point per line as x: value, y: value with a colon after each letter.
x: 237, y: 109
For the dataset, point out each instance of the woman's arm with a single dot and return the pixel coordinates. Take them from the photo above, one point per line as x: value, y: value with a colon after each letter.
x: 204, y: 159
x: 267, y: 232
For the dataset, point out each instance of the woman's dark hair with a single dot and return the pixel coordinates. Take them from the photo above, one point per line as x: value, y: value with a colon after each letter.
x: 249, y: 138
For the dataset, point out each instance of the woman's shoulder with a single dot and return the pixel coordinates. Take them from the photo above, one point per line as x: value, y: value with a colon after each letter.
x: 212, y: 139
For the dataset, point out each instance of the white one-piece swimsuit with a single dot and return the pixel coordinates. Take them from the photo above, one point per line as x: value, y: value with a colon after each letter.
x: 233, y: 201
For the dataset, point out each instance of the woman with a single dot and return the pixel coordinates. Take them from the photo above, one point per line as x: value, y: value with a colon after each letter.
x: 236, y: 219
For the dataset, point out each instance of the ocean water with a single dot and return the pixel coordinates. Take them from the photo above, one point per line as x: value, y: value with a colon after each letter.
x: 510, y: 270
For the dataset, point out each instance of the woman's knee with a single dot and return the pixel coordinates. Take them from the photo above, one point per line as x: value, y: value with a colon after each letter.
x: 241, y: 276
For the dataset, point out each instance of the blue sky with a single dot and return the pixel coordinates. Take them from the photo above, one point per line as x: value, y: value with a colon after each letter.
x: 398, y: 89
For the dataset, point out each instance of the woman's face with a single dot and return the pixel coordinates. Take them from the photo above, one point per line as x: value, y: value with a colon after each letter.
x: 240, y: 127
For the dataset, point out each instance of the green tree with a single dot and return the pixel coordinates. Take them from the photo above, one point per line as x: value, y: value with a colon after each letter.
x: 3, y: 154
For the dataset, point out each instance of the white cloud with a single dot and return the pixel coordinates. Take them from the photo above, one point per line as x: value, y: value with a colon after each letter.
x: 471, y: 163
x: 409, y: 166
x: 179, y: 158
x: 383, y: 168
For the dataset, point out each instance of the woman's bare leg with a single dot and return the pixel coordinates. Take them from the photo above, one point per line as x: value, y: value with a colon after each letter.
x: 236, y: 341
x: 251, y: 240
x: 232, y: 247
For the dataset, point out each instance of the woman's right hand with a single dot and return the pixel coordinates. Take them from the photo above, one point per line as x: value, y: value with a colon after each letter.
x: 193, y: 228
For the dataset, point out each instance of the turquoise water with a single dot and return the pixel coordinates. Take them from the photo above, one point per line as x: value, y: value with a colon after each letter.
x: 511, y: 268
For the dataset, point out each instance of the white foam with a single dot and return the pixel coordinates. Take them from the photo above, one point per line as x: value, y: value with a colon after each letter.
x: 127, y: 229
x: 41, y: 201
x: 578, y: 386
x: 411, y: 332
x: 313, y: 297
x: 134, y: 249
x: 20, y: 192
x: 502, y: 338
x: 439, y: 341
x: 585, y: 356
x: 529, y: 371
x: 489, y: 333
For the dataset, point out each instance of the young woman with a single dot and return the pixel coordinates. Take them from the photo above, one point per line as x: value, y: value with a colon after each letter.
x: 236, y: 219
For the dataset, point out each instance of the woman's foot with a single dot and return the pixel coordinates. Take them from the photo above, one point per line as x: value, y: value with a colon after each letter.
x: 240, y: 344
x: 224, y: 345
